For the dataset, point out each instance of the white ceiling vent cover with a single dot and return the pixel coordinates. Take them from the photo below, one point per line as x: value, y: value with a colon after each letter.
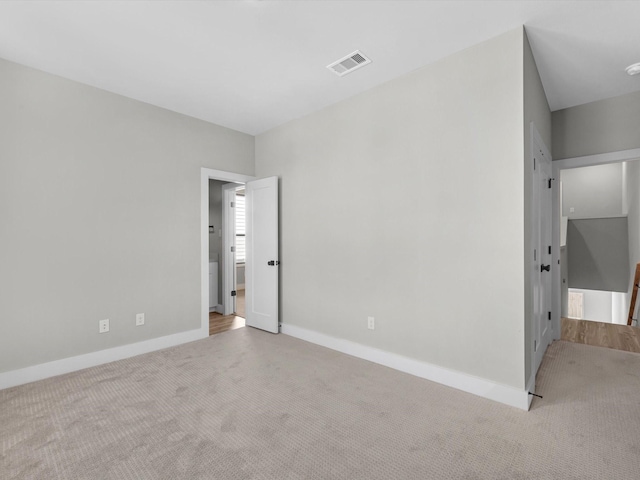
x: 348, y: 64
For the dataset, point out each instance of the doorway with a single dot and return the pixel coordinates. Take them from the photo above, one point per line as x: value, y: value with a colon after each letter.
x: 261, y: 249
x: 226, y: 256
x: 594, y: 308
x: 215, y: 236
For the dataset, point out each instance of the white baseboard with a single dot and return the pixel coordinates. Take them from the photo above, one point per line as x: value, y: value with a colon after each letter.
x: 451, y: 378
x: 72, y: 364
x: 218, y: 309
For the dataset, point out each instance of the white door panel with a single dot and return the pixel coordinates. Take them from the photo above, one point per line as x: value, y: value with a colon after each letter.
x: 542, y: 264
x: 262, y: 263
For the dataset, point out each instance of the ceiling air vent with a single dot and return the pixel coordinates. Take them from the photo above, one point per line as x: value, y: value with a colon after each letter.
x: 348, y: 64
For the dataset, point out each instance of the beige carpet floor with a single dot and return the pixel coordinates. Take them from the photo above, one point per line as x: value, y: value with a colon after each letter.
x: 250, y: 405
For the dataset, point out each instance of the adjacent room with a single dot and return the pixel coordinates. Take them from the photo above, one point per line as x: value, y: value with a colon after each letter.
x: 261, y: 239
x: 600, y: 254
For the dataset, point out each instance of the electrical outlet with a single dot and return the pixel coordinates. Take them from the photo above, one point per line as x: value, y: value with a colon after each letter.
x: 371, y: 323
x: 103, y: 326
x: 139, y: 319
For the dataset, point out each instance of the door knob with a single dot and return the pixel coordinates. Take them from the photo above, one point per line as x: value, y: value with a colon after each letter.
x: 544, y: 268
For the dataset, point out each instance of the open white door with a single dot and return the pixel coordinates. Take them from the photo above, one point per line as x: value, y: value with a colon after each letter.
x: 262, y: 262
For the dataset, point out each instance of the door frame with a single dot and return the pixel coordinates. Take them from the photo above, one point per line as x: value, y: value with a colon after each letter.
x: 565, y: 164
x: 228, y: 257
x: 207, y: 174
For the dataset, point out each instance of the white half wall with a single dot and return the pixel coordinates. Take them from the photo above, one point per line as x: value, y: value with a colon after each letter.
x: 597, y: 305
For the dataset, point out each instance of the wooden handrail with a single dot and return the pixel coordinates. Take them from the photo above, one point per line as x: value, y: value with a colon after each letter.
x: 634, y: 295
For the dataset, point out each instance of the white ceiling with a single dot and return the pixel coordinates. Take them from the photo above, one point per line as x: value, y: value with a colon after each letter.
x: 252, y: 65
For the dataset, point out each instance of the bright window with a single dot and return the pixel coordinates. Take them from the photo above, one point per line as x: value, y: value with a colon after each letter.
x: 240, y: 229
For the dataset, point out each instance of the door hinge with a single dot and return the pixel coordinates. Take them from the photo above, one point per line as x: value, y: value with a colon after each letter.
x: 535, y: 346
x: 233, y: 249
x: 549, y: 316
x: 233, y: 293
x: 233, y: 204
x: 534, y: 163
x: 549, y: 183
x: 549, y: 249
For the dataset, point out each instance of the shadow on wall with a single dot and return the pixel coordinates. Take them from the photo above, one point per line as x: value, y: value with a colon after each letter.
x: 598, y: 254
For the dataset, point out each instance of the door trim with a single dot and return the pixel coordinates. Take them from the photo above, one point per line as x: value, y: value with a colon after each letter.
x: 228, y: 257
x: 599, y: 159
x: 207, y: 174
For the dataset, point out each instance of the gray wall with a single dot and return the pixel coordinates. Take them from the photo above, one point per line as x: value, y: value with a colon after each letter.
x: 593, y: 192
x: 100, y: 208
x: 604, y: 126
x: 394, y: 202
x: 598, y: 254
x: 536, y: 110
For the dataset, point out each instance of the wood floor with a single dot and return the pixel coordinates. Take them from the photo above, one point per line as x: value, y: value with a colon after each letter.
x: 221, y: 323
x: 240, y: 302
x: 599, y: 334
